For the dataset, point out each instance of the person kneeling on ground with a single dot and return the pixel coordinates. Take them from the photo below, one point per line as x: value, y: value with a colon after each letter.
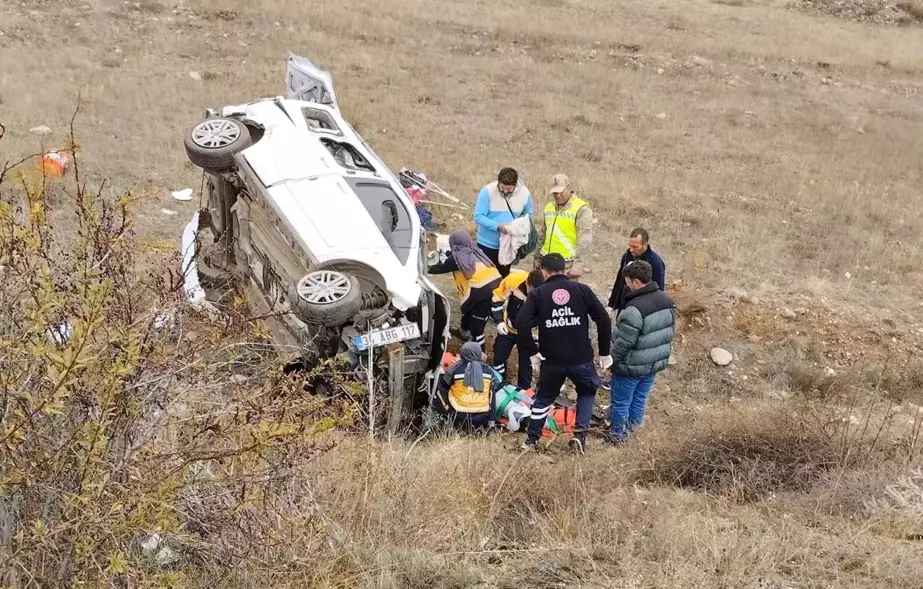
x: 641, y: 342
x: 467, y: 389
x: 476, y: 277
x: 507, y: 300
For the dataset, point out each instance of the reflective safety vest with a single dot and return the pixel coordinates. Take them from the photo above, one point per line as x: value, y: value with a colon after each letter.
x: 485, y: 278
x: 507, y: 295
x: 561, y: 228
x: 464, y: 399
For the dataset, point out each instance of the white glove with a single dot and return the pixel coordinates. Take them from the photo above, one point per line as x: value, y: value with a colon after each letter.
x: 503, y: 328
x: 605, y: 362
x: 536, y: 362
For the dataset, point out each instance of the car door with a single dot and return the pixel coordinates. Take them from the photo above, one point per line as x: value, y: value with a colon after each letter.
x: 305, y: 81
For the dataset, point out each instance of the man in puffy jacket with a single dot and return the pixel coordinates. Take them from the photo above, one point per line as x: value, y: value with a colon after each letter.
x: 640, y: 348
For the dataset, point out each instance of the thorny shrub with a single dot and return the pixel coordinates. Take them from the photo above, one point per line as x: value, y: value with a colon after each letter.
x: 130, y: 450
x: 745, y: 457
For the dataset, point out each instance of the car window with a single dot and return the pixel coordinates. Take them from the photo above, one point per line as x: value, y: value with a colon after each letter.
x: 388, y: 212
x: 346, y: 155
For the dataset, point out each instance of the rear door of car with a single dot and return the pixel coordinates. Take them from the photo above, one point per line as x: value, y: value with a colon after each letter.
x: 305, y: 81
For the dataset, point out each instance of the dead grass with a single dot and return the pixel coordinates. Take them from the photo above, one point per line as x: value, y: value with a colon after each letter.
x: 461, y: 512
x: 777, y: 168
x: 746, y: 457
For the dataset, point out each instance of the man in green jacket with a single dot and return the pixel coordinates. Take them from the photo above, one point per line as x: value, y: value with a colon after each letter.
x: 640, y: 348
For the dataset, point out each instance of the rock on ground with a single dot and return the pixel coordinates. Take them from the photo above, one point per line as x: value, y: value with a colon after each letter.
x: 721, y: 357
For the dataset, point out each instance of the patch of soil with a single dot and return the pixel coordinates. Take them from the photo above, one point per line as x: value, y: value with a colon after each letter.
x: 879, y: 12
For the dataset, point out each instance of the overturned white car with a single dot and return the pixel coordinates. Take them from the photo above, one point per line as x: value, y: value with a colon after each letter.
x: 311, y: 220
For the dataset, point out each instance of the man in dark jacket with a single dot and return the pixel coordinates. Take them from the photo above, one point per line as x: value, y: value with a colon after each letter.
x: 638, y: 249
x: 640, y: 348
x: 561, y: 309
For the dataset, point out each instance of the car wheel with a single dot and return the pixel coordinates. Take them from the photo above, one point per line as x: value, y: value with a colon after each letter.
x: 328, y: 297
x: 211, y: 144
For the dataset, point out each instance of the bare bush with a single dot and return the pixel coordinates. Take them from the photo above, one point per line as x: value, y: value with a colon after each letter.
x: 744, y: 456
x: 902, y: 501
x: 129, y: 453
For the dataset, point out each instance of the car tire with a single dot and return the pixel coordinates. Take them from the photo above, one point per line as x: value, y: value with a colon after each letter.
x: 337, y: 306
x: 212, y: 143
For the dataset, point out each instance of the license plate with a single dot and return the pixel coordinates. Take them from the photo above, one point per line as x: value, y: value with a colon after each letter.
x: 383, y: 337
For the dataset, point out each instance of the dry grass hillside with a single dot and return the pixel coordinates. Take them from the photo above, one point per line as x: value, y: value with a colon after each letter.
x: 773, y: 149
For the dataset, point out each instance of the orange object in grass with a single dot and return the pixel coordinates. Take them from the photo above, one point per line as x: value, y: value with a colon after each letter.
x: 53, y: 164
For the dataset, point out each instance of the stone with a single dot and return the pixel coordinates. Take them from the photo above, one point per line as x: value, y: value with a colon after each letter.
x: 788, y: 313
x: 847, y: 276
x: 721, y: 357
x: 195, y: 76
x: 698, y: 60
x: 661, y: 116
x: 754, y: 338
x: 660, y: 71
x: 828, y: 372
x: 672, y: 361
x: 40, y: 130
x: 801, y: 311
x: 738, y: 294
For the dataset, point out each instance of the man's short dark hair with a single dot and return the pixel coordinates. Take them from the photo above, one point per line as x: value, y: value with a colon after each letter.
x: 639, y: 270
x: 508, y: 176
x: 553, y: 263
x: 638, y: 232
x: 535, y: 278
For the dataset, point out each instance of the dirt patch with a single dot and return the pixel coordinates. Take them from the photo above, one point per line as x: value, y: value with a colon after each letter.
x: 880, y: 12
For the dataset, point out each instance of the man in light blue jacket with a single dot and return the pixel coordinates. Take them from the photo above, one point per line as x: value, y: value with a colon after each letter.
x: 500, y: 203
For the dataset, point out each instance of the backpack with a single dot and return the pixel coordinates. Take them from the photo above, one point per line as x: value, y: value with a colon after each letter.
x: 529, y: 246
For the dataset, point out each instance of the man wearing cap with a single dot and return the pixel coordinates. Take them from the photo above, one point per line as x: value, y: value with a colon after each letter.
x: 566, y: 227
x: 562, y: 309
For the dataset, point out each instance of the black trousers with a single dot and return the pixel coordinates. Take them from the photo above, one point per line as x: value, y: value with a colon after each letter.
x: 494, y: 255
x: 550, y: 380
x: 503, y: 347
x: 475, y: 320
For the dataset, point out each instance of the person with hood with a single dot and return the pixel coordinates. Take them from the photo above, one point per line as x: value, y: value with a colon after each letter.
x: 476, y: 277
x: 466, y: 391
x: 499, y: 204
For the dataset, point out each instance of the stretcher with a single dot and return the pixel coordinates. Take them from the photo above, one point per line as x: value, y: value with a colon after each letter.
x: 514, y: 406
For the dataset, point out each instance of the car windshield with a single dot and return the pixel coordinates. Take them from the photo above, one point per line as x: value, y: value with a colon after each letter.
x: 388, y: 212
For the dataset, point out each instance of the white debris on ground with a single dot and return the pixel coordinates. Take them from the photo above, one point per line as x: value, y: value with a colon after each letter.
x: 182, y: 195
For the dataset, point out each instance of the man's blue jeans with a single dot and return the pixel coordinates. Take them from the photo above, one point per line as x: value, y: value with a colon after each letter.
x: 628, y: 400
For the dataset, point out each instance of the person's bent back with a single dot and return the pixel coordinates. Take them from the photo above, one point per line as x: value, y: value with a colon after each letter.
x: 465, y: 392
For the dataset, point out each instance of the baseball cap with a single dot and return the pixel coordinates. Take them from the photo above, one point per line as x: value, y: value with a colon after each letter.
x: 553, y: 262
x: 559, y: 182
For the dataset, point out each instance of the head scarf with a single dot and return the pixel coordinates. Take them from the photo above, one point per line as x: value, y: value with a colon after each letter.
x: 474, y: 372
x: 466, y: 253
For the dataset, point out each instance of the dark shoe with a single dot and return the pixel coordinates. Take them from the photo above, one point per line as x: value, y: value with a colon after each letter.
x: 462, y: 334
x: 615, y: 441
x: 528, y: 446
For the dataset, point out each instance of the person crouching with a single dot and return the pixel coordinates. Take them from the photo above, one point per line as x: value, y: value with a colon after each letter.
x: 466, y: 391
